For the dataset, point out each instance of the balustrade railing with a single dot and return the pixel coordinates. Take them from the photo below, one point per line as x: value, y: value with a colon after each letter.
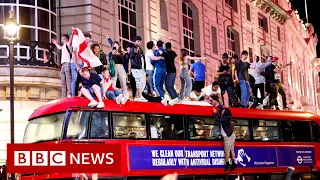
x: 32, y: 53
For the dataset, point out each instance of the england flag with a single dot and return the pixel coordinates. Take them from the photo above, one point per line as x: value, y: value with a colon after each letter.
x: 84, y: 52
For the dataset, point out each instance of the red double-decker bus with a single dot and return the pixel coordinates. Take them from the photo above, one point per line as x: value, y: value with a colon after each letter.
x: 267, y: 142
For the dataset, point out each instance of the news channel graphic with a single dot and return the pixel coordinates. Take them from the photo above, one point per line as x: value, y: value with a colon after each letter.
x: 65, y: 158
x: 186, y: 157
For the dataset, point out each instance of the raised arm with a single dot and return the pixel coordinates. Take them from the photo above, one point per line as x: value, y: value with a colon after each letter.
x: 263, y: 65
x: 56, y: 44
x: 109, y: 40
x: 195, y: 58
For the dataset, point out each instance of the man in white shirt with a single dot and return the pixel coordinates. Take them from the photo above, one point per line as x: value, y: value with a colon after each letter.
x: 65, y: 72
x: 213, y: 89
x: 149, y: 67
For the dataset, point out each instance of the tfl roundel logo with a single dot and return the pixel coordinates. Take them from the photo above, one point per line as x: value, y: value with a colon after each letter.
x: 299, y: 159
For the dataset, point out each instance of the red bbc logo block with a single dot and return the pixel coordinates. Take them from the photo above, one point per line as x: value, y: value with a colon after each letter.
x: 65, y: 158
x: 40, y: 158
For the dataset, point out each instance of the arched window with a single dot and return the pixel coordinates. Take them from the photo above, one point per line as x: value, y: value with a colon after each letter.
x: 231, y: 42
x: 188, y: 30
x: 127, y: 21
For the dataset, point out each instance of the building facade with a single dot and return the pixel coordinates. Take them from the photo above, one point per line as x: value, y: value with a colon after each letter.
x: 37, y: 78
x: 205, y: 27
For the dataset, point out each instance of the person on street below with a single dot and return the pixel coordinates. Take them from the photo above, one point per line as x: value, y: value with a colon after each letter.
x: 91, y: 86
x: 224, y: 117
x: 185, y: 79
x: 109, y: 89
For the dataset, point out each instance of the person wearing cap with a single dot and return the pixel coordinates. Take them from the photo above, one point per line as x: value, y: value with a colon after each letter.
x: 185, y: 79
x: 159, y: 75
x: 242, y: 76
x: 149, y: 66
x: 224, y: 117
x: 276, y: 85
x: 138, y: 67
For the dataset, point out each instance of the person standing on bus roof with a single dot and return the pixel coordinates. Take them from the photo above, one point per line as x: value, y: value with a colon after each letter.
x: 242, y: 76
x: 224, y: 117
x: 91, y: 86
x: 160, y: 71
x: 66, y: 58
x: 109, y: 89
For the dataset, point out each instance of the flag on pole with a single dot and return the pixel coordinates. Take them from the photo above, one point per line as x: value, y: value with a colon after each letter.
x: 84, y: 52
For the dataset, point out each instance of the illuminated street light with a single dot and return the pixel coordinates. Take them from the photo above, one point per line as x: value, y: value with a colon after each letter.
x: 10, y: 33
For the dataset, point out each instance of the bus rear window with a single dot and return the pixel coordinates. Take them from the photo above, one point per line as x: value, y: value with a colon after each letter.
x: 44, y: 128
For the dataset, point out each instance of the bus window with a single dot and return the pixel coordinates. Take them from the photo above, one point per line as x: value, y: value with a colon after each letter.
x: 241, y: 129
x: 287, y: 131
x: 131, y: 126
x: 44, y: 128
x: 77, y: 125
x: 265, y: 130
x: 203, y: 128
x: 99, y: 125
x: 301, y: 131
x: 315, y: 132
x: 166, y: 127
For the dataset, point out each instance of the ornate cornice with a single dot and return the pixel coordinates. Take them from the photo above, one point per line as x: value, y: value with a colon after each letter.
x: 274, y: 10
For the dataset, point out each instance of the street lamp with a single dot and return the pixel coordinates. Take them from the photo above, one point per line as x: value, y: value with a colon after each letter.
x: 10, y: 30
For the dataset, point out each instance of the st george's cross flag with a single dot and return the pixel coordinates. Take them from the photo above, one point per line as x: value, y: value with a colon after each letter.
x: 84, y: 52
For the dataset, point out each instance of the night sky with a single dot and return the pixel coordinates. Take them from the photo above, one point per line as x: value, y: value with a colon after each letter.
x: 313, y: 15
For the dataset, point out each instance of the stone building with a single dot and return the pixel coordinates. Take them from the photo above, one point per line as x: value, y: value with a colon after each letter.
x: 206, y: 27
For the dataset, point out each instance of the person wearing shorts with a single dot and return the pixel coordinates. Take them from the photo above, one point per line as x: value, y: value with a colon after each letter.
x: 224, y: 117
x: 138, y: 68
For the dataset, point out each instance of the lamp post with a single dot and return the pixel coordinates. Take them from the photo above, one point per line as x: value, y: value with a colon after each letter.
x: 10, y: 31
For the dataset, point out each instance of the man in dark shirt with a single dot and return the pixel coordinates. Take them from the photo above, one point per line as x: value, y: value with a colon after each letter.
x: 171, y: 73
x: 276, y: 85
x: 242, y: 76
x: 91, y: 86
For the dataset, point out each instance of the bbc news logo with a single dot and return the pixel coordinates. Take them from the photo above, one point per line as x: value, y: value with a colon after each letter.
x: 66, y: 158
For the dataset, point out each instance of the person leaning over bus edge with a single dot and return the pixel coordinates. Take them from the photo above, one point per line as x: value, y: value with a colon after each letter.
x: 224, y: 117
x: 91, y: 86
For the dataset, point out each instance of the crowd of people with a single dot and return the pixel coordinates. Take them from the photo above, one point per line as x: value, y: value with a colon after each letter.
x: 153, y: 73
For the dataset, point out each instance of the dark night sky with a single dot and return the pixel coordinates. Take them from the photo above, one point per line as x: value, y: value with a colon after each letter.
x: 313, y: 15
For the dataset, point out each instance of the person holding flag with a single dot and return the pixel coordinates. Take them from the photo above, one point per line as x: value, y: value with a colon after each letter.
x: 91, y: 82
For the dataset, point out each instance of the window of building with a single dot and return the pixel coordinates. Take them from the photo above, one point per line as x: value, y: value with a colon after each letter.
x: 241, y: 129
x: 99, y: 128
x: 28, y: 2
x: 27, y: 20
x: 164, y: 15
x: 127, y: 21
x: 203, y: 128
x: 166, y: 127
x: 248, y: 12
x: 214, y: 39
x: 231, y: 42
x: 43, y: 19
x: 279, y: 33
x: 232, y: 4
x: 265, y: 130
x: 127, y: 125
x: 251, y: 55
x: 188, y: 30
x: 43, y: 4
x: 229, y: 3
x: 263, y: 22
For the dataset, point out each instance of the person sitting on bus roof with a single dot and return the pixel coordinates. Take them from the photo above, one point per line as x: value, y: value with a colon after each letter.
x: 197, y: 95
x: 91, y: 86
x: 109, y: 89
x: 224, y: 117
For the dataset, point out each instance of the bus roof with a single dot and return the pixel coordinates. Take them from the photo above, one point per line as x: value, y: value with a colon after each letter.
x: 62, y: 105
